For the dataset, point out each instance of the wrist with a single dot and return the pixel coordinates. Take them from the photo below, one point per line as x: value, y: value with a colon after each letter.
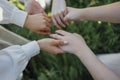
x: 85, y: 13
x: 81, y: 50
x: 27, y: 21
x: 40, y: 43
x: 82, y: 13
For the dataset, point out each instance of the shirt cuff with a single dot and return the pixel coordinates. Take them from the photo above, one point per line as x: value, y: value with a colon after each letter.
x: 31, y: 49
x: 18, y: 17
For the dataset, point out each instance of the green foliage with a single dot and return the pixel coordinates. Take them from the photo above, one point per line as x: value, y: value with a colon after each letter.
x: 100, y: 36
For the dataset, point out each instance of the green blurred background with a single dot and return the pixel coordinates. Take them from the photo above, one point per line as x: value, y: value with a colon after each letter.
x: 102, y: 37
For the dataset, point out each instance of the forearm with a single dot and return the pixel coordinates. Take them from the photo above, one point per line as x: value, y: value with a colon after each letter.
x: 96, y: 68
x: 107, y: 13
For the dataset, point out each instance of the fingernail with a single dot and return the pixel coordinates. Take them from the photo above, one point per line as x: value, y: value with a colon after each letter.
x: 65, y: 42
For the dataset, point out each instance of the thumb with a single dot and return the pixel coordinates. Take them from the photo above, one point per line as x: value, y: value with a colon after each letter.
x: 67, y: 16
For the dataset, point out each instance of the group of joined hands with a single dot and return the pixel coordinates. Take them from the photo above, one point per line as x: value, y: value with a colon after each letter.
x: 62, y: 41
x: 39, y: 22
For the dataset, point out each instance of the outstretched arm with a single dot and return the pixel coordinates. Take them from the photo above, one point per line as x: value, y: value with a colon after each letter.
x: 107, y: 13
x: 78, y: 47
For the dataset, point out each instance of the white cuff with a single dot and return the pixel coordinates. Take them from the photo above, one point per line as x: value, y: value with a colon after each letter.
x: 31, y: 49
x: 18, y: 17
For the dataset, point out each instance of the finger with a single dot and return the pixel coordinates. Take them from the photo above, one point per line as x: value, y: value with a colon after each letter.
x: 43, y: 32
x: 66, y: 18
x: 47, y: 19
x: 54, y: 21
x: 61, y: 42
x: 65, y: 13
x: 62, y: 19
x: 57, y: 50
x: 48, y: 24
x: 45, y: 28
x: 56, y: 36
x: 61, y: 32
x: 44, y: 14
x: 65, y: 42
x: 59, y: 19
x: 58, y: 42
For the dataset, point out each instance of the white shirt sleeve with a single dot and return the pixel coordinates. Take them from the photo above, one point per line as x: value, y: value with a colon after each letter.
x: 14, y: 59
x: 11, y: 14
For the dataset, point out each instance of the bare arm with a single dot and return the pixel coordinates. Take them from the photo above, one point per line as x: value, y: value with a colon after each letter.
x: 78, y: 47
x: 96, y: 68
x: 107, y: 13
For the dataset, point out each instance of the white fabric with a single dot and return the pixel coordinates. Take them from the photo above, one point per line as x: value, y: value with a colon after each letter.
x: 14, y: 59
x: 112, y: 61
x: 11, y: 14
x: 8, y: 38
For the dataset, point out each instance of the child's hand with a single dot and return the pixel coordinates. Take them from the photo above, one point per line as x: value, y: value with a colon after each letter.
x: 51, y: 45
x: 33, y: 7
x: 73, y: 14
x: 39, y: 23
x: 58, y: 12
x: 76, y: 42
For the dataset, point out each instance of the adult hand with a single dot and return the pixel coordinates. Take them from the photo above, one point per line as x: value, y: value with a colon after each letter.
x: 51, y: 45
x: 74, y: 14
x: 39, y: 23
x: 75, y: 44
x: 58, y: 12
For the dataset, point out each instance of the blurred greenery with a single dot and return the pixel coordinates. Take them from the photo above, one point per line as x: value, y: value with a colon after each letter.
x: 102, y: 37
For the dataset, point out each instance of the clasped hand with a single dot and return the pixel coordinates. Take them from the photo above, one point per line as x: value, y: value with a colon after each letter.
x: 38, y: 21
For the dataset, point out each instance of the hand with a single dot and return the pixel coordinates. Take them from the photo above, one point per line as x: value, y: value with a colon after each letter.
x: 51, y: 45
x: 38, y: 23
x: 33, y: 7
x: 58, y: 12
x: 74, y: 14
x: 76, y: 42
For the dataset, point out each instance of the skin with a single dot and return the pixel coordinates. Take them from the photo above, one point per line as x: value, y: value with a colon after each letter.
x: 38, y: 23
x: 51, y: 45
x: 106, y: 13
x: 33, y: 7
x: 37, y: 20
x: 78, y: 47
x: 59, y: 11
